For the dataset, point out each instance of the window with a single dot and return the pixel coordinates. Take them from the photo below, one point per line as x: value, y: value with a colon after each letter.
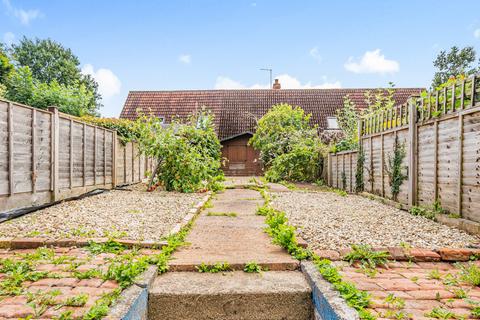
x: 332, y: 123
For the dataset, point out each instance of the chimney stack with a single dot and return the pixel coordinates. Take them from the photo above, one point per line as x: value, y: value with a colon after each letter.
x: 276, y: 85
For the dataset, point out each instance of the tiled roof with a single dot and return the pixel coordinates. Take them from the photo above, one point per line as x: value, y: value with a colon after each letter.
x: 236, y: 110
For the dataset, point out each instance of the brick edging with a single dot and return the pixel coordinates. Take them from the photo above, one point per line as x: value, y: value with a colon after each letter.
x: 37, y: 242
x: 192, y: 213
x: 411, y: 254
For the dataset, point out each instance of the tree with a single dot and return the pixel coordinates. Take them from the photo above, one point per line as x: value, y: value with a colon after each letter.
x: 6, y: 67
x: 289, y: 146
x: 23, y: 88
x: 49, y: 61
x: 453, y: 63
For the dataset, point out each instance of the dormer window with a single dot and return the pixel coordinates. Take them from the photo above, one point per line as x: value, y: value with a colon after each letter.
x: 332, y: 123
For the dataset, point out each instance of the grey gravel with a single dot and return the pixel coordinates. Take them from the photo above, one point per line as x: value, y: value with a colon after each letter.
x: 135, y: 215
x: 327, y: 220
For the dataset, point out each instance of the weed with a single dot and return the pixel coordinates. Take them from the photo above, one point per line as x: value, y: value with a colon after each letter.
x: 40, y: 301
x: 89, y: 274
x: 354, y: 297
x: 394, y: 302
x: 115, y: 234
x: 125, y: 270
x: 434, y: 274
x: 264, y: 210
x: 440, y: 313
x: 289, y: 185
x: 414, y: 279
x: 65, y: 315
x: 460, y: 293
x: 470, y: 274
x: 450, y: 280
x: 100, y: 308
x: 62, y: 259
x: 253, y: 267
x: 454, y: 215
x: 367, y: 256
x: 82, y: 233
x: 423, y: 212
x: 476, y: 311
x: 76, y: 301
x: 340, y: 192
x: 111, y: 246
x: 221, y: 214
x: 213, y: 268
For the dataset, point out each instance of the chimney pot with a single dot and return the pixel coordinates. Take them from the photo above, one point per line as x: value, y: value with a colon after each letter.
x: 276, y: 85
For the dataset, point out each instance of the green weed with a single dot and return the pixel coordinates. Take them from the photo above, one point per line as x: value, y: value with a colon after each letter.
x: 213, y: 268
x: 253, y: 267
x: 366, y: 256
x: 221, y: 214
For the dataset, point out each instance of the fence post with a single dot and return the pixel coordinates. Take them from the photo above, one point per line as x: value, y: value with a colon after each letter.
x: 412, y: 154
x: 55, y: 140
x: 11, y: 185
x: 114, y: 159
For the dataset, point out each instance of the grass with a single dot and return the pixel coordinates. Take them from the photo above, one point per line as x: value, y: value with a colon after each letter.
x: 221, y: 214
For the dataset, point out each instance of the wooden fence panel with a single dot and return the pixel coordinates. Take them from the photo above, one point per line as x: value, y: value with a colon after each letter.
x: 46, y: 156
x: 441, y: 134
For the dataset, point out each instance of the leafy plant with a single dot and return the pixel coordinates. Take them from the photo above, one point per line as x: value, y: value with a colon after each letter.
x: 470, y: 273
x: 213, y: 268
x: 359, y: 184
x: 434, y: 274
x: 111, y: 246
x: 394, y: 168
x: 125, y: 272
x: 187, y: 152
x: 367, y: 256
x: 441, y: 313
x: 253, y: 267
x: 423, y: 212
x: 289, y: 146
x: 76, y: 301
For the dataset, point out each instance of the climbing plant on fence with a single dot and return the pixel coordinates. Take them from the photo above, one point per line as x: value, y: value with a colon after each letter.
x: 394, y: 168
x: 187, y: 152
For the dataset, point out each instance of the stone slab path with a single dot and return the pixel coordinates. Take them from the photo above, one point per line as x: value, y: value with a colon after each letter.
x: 236, y: 240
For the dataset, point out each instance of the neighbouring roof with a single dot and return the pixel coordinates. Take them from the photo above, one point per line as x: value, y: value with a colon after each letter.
x: 236, y: 110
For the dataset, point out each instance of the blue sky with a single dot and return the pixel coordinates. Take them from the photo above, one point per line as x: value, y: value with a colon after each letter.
x: 170, y: 45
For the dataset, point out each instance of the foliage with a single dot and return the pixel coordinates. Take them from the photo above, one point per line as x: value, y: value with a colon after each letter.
x: 126, y: 129
x: 424, y: 212
x: 50, y: 62
x: 100, y: 308
x: 188, y: 153
x: 470, y: 273
x: 253, y: 267
x: 213, y: 268
x: 71, y: 99
x: 6, y: 66
x: 221, y: 214
x: 347, y: 118
x: 394, y: 168
x: 359, y: 184
x: 441, y: 313
x: 453, y: 63
x: 125, y: 270
x: 367, y: 256
x: 110, y: 246
x: 289, y: 146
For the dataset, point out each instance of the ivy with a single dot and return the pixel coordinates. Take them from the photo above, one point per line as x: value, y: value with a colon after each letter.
x: 359, y: 184
x: 394, y: 168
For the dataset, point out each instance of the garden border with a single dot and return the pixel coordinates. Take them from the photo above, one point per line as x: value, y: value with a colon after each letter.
x: 37, y: 242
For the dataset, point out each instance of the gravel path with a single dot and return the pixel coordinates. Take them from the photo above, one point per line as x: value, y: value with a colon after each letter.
x: 329, y: 221
x: 135, y: 215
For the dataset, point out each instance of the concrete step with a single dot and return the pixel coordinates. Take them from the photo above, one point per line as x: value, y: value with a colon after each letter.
x: 235, y: 295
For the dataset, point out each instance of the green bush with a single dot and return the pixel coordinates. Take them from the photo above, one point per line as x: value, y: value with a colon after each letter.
x: 289, y: 146
x: 188, y: 153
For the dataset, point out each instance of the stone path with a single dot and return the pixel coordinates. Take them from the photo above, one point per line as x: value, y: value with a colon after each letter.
x: 230, y: 232
x: 236, y: 240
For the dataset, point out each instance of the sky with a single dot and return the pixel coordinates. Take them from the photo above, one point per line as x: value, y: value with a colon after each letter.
x: 177, y: 45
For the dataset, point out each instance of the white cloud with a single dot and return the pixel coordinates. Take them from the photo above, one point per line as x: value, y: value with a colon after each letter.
x: 185, y: 58
x: 108, y: 83
x: 315, y: 54
x: 476, y: 33
x: 372, y: 62
x: 286, y: 81
x: 25, y: 16
x: 8, y: 38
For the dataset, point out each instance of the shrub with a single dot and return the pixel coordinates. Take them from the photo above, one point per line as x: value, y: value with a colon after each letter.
x: 289, y: 146
x: 125, y: 128
x: 188, y: 153
x: 394, y: 168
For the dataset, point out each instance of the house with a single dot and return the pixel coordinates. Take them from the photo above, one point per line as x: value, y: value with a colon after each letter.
x: 236, y: 112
